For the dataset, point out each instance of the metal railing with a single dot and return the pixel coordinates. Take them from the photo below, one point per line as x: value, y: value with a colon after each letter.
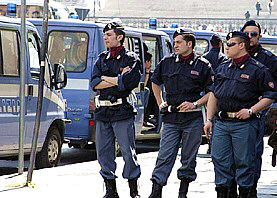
x: 214, y: 24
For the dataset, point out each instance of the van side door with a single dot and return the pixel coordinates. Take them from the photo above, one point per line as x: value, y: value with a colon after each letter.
x: 9, y: 90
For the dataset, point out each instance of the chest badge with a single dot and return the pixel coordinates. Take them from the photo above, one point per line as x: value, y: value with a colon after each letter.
x: 193, y: 72
x: 245, y: 76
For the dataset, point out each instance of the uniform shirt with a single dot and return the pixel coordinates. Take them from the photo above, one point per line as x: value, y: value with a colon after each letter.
x: 183, y: 81
x: 240, y: 86
x: 267, y: 58
x: 215, y: 57
x: 106, y: 65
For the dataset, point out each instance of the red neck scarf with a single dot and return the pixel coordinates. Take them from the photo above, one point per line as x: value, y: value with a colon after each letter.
x: 241, y: 59
x: 185, y: 58
x: 116, y: 50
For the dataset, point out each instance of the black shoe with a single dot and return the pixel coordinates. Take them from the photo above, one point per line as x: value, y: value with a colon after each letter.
x: 156, y: 190
x: 244, y: 192
x: 222, y: 192
x: 133, y: 185
x: 111, y: 191
x: 232, y: 191
x: 183, y: 190
x: 253, y: 191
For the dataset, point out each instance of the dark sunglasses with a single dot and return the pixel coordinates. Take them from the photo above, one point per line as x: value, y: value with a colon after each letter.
x: 252, y: 34
x: 231, y: 44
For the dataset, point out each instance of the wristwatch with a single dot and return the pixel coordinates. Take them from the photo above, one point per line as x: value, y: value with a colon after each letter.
x: 195, y: 104
x: 250, y: 111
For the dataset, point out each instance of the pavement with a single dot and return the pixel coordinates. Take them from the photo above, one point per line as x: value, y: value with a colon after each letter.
x: 83, y: 179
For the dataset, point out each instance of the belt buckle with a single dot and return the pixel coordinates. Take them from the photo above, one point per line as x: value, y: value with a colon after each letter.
x: 231, y: 114
x: 107, y: 103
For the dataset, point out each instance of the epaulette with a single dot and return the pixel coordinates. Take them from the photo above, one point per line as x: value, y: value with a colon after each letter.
x: 266, y: 52
x: 169, y: 56
x: 256, y: 63
x: 103, y: 53
x: 204, y: 60
x: 131, y: 54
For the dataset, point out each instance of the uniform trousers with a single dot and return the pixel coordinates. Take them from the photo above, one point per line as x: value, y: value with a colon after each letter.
x: 124, y: 132
x: 234, y: 151
x: 189, y: 135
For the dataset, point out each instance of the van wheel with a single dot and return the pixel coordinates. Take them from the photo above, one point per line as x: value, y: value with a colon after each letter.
x: 50, y: 154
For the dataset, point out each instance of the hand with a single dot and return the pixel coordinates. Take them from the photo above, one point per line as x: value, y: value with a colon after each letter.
x: 185, y: 106
x: 208, y: 129
x: 243, y: 114
x: 125, y: 69
x: 162, y: 105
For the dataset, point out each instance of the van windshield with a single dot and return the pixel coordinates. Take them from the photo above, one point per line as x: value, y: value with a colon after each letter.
x: 69, y: 49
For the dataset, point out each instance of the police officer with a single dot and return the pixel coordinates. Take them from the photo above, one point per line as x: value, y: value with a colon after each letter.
x: 238, y: 84
x: 184, y: 75
x: 116, y: 73
x: 253, y: 29
x: 215, y: 56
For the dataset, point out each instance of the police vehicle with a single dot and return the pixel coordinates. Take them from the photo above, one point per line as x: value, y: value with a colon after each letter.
x: 76, y: 44
x: 51, y: 134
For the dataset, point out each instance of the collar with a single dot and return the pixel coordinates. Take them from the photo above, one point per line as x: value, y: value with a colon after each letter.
x: 187, y: 59
x: 116, y: 52
x: 239, y: 62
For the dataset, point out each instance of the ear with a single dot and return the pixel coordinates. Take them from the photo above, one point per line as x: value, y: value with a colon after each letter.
x: 119, y: 37
x: 242, y: 45
x: 189, y: 43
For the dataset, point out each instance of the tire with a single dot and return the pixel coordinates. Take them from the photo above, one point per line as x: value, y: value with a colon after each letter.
x: 50, y: 154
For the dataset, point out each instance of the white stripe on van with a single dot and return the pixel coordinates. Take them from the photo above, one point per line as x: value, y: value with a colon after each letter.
x: 77, y: 84
x: 12, y: 90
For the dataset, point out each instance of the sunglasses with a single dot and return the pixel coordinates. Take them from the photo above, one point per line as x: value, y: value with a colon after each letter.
x: 252, y: 34
x: 231, y: 44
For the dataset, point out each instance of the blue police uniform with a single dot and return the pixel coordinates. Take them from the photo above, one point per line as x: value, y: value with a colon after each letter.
x: 270, y: 61
x: 183, y: 81
x: 116, y: 121
x: 215, y: 57
x: 233, y: 147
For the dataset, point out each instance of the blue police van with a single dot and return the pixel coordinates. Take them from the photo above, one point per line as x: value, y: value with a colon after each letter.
x: 51, y: 134
x: 76, y: 44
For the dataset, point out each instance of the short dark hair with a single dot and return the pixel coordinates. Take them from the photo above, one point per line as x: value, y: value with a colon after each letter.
x: 120, y: 32
x: 189, y: 37
x: 215, y: 40
x: 147, y: 56
x: 245, y: 41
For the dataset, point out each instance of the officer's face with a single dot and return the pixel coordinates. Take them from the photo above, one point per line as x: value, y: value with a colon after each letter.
x: 234, y: 49
x: 111, y: 39
x: 253, y: 33
x: 181, y: 46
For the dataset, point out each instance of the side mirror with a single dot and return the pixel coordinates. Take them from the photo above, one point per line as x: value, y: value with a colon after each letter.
x: 60, y: 77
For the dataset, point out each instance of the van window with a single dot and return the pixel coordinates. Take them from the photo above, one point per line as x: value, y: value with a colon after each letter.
x: 69, y: 49
x: 10, y: 55
x: 271, y: 47
x: 153, y: 48
x: 201, y: 47
x: 168, y: 46
x: 34, y: 51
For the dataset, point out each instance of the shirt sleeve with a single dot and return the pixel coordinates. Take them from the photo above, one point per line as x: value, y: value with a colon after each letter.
x: 208, y: 79
x: 130, y: 80
x: 96, y: 75
x: 157, y: 75
x: 267, y: 84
